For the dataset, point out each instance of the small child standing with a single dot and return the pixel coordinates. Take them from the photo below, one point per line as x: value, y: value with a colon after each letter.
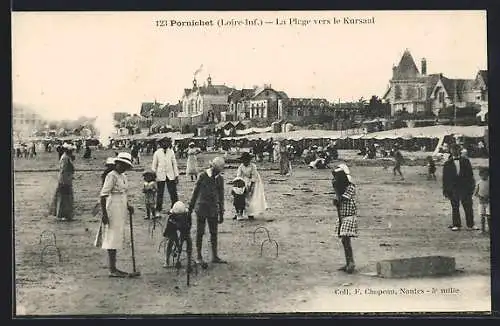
x: 149, y: 189
x: 431, y: 168
x: 179, y: 220
x: 483, y: 193
x: 239, y: 193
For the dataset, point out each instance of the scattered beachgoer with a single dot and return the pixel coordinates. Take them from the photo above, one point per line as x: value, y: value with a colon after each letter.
x: 207, y: 201
x: 62, y: 205
x: 149, y: 189
x: 239, y: 193
x: 192, y: 161
x: 115, y: 208
x: 256, y: 199
x: 458, y: 187
x: 345, y: 202
x: 165, y: 166
x: 398, y: 160
x: 431, y: 168
x: 179, y: 220
x: 483, y: 193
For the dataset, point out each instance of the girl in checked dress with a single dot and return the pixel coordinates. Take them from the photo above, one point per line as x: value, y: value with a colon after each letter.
x: 345, y: 202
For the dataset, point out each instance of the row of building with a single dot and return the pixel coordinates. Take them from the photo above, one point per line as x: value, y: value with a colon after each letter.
x: 217, y: 103
x: 409, y: 90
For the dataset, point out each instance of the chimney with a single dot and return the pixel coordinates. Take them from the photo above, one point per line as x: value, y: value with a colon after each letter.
x: 394, y: 72
x: 424, y: 67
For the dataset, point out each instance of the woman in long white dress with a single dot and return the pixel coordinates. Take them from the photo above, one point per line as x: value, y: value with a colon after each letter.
x: 256, y: 199
x: 192, y: 161
x: 115, y: 209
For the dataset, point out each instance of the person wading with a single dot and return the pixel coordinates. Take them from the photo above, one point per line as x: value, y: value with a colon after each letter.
x: 207, y: 201
x: 165, y: 166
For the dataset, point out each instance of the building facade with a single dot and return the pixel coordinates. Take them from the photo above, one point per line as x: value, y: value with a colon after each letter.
x: 417, y: 92
x: 200, y: 100
x: 26, y: 122
x: 410, y: 89
x: 257, y: 103
x: 295, y: 109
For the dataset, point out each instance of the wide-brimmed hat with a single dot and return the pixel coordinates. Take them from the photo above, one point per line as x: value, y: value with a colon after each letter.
x: 149, y: 172
x: 164, y: 140
x: 345, y: 168
x: 178, y: 208
x: 237, y: 179
x: 68, y: 146
x: 245, y: 156
x: 124, y: 157
x: 110, y: 161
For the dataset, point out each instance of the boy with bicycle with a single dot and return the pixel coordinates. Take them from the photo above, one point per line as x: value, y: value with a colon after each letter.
x: 178, y: 231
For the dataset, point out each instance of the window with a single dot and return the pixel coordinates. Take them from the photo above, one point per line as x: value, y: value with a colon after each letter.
x: 420, y: 93
x: 441, y: 97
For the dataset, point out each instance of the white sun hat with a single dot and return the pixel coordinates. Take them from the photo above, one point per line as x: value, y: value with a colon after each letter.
x: 178, y: 208
x: 345, y: 168
x: 110, y: 161
x: 125, y: 158
x: 68, y: 146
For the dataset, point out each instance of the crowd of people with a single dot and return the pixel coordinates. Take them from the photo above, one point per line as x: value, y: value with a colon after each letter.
x: 248, y: 193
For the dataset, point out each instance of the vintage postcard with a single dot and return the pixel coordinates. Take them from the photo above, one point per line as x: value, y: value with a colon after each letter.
x: 250, y: 162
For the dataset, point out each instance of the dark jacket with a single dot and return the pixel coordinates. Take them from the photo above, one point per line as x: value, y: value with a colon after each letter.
x: 208, y: 196
x: 461, y: 185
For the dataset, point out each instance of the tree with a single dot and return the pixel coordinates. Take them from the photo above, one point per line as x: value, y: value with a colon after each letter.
x: 376, y: 108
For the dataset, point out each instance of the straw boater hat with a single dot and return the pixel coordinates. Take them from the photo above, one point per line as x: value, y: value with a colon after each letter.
x: 178, y: 208
x: 124, y: 157
x: 345, y: 168
x: 110, y: 161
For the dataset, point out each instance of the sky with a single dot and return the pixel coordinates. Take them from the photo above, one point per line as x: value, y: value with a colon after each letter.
x: 69, y: 64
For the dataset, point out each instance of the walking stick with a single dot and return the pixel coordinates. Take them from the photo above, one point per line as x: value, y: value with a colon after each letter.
x: 135, y: 273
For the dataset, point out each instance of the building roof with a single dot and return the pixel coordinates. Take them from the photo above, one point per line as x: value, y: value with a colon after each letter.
x: 457, y: 87
x: 283, y: 95
x: 406, y: 68
x: 484, y: 76
x: 224, y: 125
x: 146, y: 107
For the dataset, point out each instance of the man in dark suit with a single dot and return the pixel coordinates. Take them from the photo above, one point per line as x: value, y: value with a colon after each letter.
x: 208, y: 203
x: 458, y: 187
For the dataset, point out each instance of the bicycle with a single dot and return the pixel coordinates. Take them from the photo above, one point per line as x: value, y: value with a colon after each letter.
x: 179, y: 248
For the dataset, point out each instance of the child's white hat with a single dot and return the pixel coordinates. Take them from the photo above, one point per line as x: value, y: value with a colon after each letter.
x: 237, y: 179
x: 345, y: 168
x: 178, y: 208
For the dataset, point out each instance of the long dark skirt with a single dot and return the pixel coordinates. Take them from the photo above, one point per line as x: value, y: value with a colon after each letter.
x: 284, y: 164
x: 62, y: 204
